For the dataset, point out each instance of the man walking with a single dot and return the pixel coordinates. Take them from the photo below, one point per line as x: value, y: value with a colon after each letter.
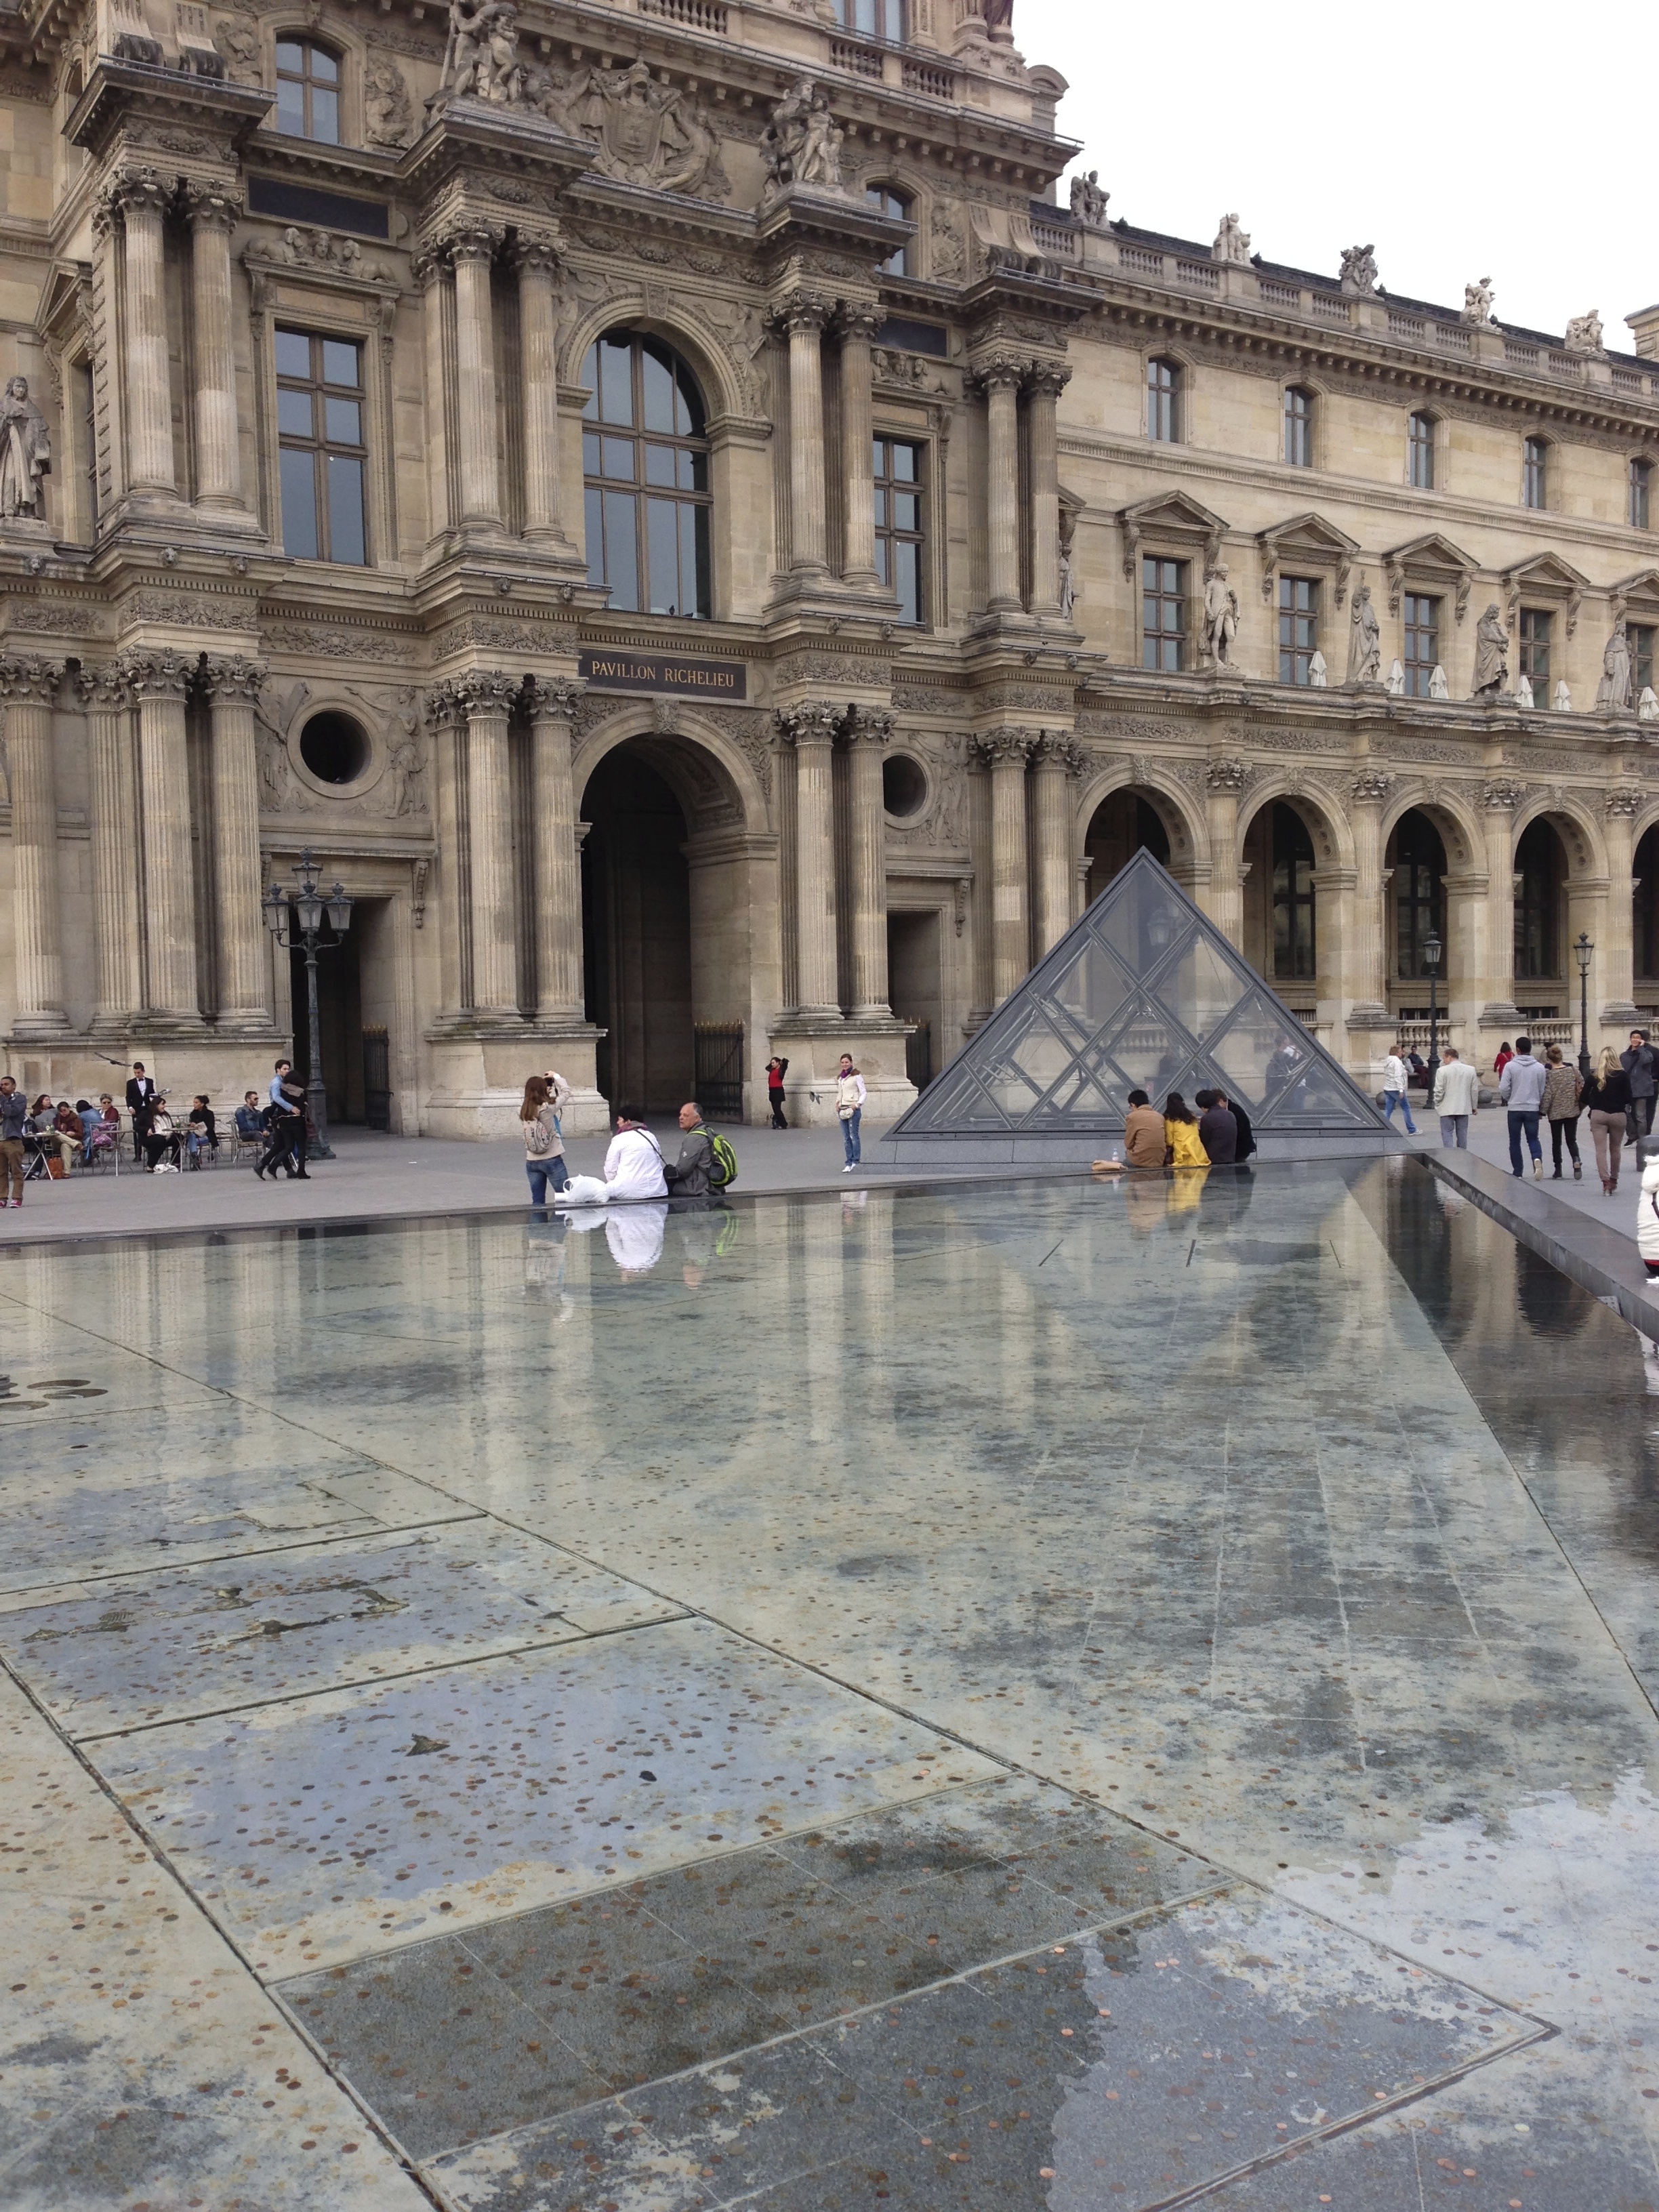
x: 1396, y: 1091
x: 14, y: 1120
x: 1520, y: 1087
x: 287, y: 1129
x: 1456, y: 1096
x: 1641, y: 1063
x: 140, y: 1105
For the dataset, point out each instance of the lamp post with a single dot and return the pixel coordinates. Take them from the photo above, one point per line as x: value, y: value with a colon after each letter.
x: 1431, y: 951
x: 1582, y: 950
x: 302, y: 920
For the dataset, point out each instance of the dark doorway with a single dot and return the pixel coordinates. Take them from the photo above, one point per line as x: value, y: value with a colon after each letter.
x: 340, y: 1023
x: 636, y: 932
x: 1118, y: 829
x: 914, y: 989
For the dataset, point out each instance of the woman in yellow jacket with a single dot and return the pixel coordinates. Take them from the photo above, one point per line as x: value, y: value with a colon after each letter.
x: 1181, y: 1133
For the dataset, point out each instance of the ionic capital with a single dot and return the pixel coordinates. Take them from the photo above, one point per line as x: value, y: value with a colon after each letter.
x: 26, y: 679
x: 227, y: 676
x: 813, y: 724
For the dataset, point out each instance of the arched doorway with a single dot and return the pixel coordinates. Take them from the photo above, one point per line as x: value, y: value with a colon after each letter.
x: 1644, y: 919
x: 1541, y: 922
x: 1415, y: 857
x: 1118, y: 828
x: 637, y: 934
x: 1281, y: 907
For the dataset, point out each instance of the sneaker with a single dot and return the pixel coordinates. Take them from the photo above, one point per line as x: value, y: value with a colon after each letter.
x: 848, y: 1169
x: 1579, y: 1171
x: 1538, y: 1171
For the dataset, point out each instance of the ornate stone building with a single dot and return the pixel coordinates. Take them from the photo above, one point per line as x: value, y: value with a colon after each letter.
x: 668, y: 505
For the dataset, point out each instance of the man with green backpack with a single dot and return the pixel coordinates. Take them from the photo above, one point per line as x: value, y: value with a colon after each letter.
x: 708, y: 1164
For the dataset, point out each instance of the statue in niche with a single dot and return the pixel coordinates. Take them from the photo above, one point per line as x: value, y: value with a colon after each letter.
x: 946, y: 245
x: 405, y: 777
x: 388, y: 113
x: 1364, y: 640
x: 238, y: 45
x: 1585, y: 333
x: 1358, y: 270
x: 1220, y: 616
x: 24, y: 454
x: 1477, y: 301
x: 273, y: 766
x: 1088, y: 201
x: 1491, y: 656
x: 1613, y: 693
x: 1232, y: 243
x: 647, y: 133
x: 801, y: 144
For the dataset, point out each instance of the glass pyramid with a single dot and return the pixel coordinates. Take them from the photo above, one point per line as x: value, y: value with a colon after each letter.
x: 1144, y: 994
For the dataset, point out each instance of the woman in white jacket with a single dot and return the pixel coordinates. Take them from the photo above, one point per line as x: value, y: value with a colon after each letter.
x: 850, y: 1094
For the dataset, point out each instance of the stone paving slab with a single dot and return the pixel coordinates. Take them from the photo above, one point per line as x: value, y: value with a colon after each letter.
x: 197, y: 1640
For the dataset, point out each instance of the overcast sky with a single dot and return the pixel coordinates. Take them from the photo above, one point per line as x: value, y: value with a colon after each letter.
x: 1458, y: 143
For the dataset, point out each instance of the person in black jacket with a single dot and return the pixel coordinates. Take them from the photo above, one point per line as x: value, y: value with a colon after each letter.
x: 1606, y: 1099
x: 1246, y: 1144
x: 692, y: 1174
x: 1218, y: 1128
x: 140, y: 1105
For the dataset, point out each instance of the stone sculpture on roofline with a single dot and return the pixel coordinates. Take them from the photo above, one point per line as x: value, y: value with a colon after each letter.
x: 1232, y: 243
x: 1358, y: 270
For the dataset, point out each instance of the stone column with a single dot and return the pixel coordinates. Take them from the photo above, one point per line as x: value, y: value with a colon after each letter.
x: 859, y: 326
x: 213, y: 216
x: 539, y: 360
x: 233, y: 686
x: 160, y: 680
x: 1225, y: 781
x: 29, y: 687
x: 446, y: 718
x: 146, y: 381
x: 1046, y: 382
x: 557, y: 919
x: 115, y: 912
x: 804, y: 320
x: 487, y: 697
x: 1366, y: 984
x: 472, y: 249
x: 1056, y: 762
x: 1612, y: 975
x: 1500, y: 799
x: 428, y: 271
x: 811, y: 730
x: 869, y: 732
x: 1001, y: 382
x: 1007, y: 750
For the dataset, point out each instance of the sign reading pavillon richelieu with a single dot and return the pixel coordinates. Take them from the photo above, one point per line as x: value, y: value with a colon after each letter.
x: 690, y: 674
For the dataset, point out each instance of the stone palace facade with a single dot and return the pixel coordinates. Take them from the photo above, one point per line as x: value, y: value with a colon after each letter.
x: 671, y: 505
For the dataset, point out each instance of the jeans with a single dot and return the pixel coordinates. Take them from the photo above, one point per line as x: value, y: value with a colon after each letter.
x: 542, y: 1172
x: 849, y: 1136
x: 1608, y: 1133
x: 1390, y: 1100
x: 1455, y: 1132
x: 1529, y: 1121
x: 1567, y: 1130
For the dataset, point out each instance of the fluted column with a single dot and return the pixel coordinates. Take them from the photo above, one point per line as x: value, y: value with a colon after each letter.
x: 1056, y: 762
x: 233, y: 686
x: 29, y: 687
x: 1500, y: 799
x: 160, y: 681
x: 429, y: 272
x: 1008, y: 752
x: 538, y: 361
x: 213, y: 216
x: 1225, y: 781
x: 804, y: 321
x: 859, y: 326
x: 1366, y: 983
x: 472, y: 249
x: 108, y: 697
x: 1046, y: 384
x: 1001, y: 382
x: 812, y: 731
x: 488, y: 698
x: 558, y: 904
x: 445, y: 715
x: 869, y: 732
x: 146, y: 379
x: 1613, y: 975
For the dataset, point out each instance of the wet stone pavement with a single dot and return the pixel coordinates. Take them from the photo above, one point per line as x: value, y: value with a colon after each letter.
x: 1048, y: 1696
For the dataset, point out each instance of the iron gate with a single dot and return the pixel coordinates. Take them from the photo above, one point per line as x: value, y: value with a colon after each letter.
x: 719, y: 1064
x: 377, y: 1079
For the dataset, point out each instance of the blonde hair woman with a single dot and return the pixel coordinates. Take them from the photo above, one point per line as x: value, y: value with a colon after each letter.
x: 1606, y: 1096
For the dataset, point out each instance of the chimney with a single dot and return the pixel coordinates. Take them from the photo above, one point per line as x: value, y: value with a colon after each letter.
x: 1645, y: 323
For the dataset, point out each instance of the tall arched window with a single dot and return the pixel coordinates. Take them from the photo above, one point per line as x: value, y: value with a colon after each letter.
x: 1164, y: 401
x: 1298, y: 426
x: 1417, y: 885
x: 1539, y: 876
x: 888, y: 202
x: 645, y: 473
x: 1293, y: 896
x: 307, y: 91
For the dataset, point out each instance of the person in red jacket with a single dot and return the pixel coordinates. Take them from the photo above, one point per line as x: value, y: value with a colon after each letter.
x: 775, y: 1071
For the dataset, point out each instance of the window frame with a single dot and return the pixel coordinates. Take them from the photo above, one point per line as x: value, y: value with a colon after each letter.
x: 1638, y: 492
x: 1166, y: 403
x: 1535, y: 475
x: 1295, y: 861
x: 887, y: 535
x: 1532, y: 910
x: 1294, y: 650
x: 1418, y: 898
x: 1642, y: 639
x: 1165, y: 579
x: 880, y: 194
x: 1529, y: 641
x: 599, y: 486
x: 1418, y: 626
x: 323, y: 447
x: 889, y: 17
x: 309, y: 45
x: 1420, y: 447
x: 1298, y: 411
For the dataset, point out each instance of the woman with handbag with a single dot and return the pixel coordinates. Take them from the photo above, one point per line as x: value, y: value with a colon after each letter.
x: 543, y: 1145
x: 850, y: 1094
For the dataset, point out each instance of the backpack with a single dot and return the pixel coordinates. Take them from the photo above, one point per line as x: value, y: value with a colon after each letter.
x: 724, y: 1173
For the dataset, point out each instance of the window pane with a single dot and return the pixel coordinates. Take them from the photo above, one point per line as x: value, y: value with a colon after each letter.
x: 662, y: 537
x: 658, y: 381
x: 878, y: 458
x: 340, y: 364
x: 619, y: 458
x: 290, y: 55
x: 293, y: 353
x: 290, y: 108
x: 591, y: 379
x: 907, y: 511
x: 881, y: 507
x: 621, y: 554
x: 882, y: 546
x: 905, y: 459
x: 325, y: 69
x: 616, y: 381
x: 908, y: 560
x: 298, y: 481
x: 344, y: 422
x: 346, y: 509
x: 660, y: 465
x: 705, y: 606
x: 325, y: 116
x: 694, y: 471
x: 590, y: 453
x: 593, y: 519
x: 294, y: 413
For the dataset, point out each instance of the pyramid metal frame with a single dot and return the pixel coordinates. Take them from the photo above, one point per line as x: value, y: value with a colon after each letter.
x: 1143, y: 993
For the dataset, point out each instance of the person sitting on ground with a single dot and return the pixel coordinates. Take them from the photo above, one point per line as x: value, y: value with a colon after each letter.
x: 202, y: 1132
x: 67, y: 1123
x: 1217, y: 1131
x: 692, y: 1174
x: 1246, y: 1144
x: 1181, y: 1133
x: 633, y: 1169
x: 89, y: 1118
x: 160, y: 1141
x: 1144, y: 1141
x: 251, y: 1123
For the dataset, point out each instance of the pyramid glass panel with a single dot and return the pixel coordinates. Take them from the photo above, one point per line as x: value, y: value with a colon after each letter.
x: 1143, y: 994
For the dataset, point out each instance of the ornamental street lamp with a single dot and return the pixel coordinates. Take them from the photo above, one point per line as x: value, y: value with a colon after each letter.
x: 1431, y: 951
x: 1582, y: 950
x: 302, y: 918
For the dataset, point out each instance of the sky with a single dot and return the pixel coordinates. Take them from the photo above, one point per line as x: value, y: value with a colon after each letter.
x: 1461, y: 141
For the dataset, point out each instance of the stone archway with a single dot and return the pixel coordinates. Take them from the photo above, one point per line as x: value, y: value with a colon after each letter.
x: 1294, y: 887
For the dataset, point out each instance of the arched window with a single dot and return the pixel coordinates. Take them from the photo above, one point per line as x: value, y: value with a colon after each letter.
x: 645, y: 473
x: 307, y: 91
x: 886, y: 201
x: 1419, y: 447
x: 1293, y: 896
x: 1418, y: 887
x: 1298, y: 426
x: 1539, y: 876
x: 1163, y: 402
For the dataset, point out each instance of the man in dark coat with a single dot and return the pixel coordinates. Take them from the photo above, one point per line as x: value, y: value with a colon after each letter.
x: 1246, y: 1144
x: 692, y: 1174
x: 140, y: 1105
x: 1217, y: 1131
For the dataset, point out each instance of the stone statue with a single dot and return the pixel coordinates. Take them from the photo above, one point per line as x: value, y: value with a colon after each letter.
x: 1067, y: 585
x: 1220, y: 616
x: 801, y: 145
x: 1364, y: 640
x: 481, y: 61
x: 946, y: 254
x: 1491, y: 656
x: 1478, y: 301
x: 388, y: 113
x: 1232, y: 244
x: 1585, y: 333
x: 1438, y: 687
x: 1358, y: 270
x: 238, y: 42
x: 1318, y: 674
x: 273, y: 766
x: 1562, y: 702
x: 999, y: 18
x: 1088, y: 201
x: 1524, y: 692
x: 1647, y: 706
x: 647, y: 133
x: 24, y: 454
x: 1613, y: 693
x: 405, y: 774
x: 1395, y: 684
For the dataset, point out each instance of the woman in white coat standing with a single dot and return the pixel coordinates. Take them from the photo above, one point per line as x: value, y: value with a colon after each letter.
x: 850, y: 1094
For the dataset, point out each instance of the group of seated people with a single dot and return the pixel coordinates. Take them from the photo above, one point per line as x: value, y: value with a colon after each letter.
x: 72, y: 1133
x: 1218, y: 1135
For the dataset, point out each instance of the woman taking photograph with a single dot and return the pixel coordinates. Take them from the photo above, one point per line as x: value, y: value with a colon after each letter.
x: 543, y: 1146
x: 1181, y: 1133
x: 1606, y: 1096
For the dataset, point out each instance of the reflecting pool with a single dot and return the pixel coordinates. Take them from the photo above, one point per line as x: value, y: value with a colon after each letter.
x: 1054, y: 1694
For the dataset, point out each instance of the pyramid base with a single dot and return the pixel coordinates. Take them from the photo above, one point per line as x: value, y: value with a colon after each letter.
x: 1028, y: 1152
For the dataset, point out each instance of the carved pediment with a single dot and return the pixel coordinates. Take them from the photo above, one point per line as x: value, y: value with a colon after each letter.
x: 1432, y: 560
x: 1172, y: 520
x: 1306, y: 540
x: 1549, y: 581
x: 1637, y: 597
